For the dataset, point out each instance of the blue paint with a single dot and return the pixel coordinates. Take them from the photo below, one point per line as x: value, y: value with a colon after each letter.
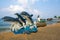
x: 26, y: 30
x: 20, y: 31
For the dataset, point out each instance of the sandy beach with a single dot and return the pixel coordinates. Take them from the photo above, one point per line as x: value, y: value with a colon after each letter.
x: 49, y: 32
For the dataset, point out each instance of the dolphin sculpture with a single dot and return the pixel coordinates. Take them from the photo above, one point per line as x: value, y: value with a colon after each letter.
x: 15, y: 22
x: 29, y: 22
x: 28, y: 17
x: 25, y: 13
x: 11, y: 19
x: 21, y: 18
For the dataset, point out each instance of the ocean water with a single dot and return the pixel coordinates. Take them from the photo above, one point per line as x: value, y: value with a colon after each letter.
x: 51, y: 22
x: 5, y: 26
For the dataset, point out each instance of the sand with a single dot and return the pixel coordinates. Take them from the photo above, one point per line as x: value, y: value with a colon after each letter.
x: 49, y: 32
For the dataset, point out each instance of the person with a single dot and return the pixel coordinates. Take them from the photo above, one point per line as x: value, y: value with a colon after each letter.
x: 38, y: 18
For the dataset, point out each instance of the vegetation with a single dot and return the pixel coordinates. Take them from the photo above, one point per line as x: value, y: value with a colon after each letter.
x: 42, y: 21
x: 55, y: 16
x: 58, y: 17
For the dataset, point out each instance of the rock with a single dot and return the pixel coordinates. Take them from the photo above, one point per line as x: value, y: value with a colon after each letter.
x: 58, y: 21
x: 40, y: 24
x: 49, y: 19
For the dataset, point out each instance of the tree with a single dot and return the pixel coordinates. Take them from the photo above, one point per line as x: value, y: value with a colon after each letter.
x: 55, y: 16
x: 58, y: 17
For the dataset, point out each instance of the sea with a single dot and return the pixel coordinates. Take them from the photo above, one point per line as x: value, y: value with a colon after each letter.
x: 5, y: 26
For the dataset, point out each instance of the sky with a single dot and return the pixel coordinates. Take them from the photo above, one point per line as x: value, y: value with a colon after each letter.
x: 44, y: 8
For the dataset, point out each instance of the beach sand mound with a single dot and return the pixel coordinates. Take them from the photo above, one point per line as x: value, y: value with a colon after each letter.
x: 49, y: 32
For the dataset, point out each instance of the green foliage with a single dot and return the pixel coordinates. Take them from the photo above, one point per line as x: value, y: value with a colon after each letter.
x: 55, y: 16
x: 42, y: 21
x: 59, y: 17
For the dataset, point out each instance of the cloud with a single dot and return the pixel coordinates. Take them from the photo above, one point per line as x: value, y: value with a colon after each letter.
x: 22, y: 1
x: 16, y: 8
x: 35, y: 12
x: 13, y: 9
x: 24, y: 5
x: 25, y: 2
x: 45, y: 0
